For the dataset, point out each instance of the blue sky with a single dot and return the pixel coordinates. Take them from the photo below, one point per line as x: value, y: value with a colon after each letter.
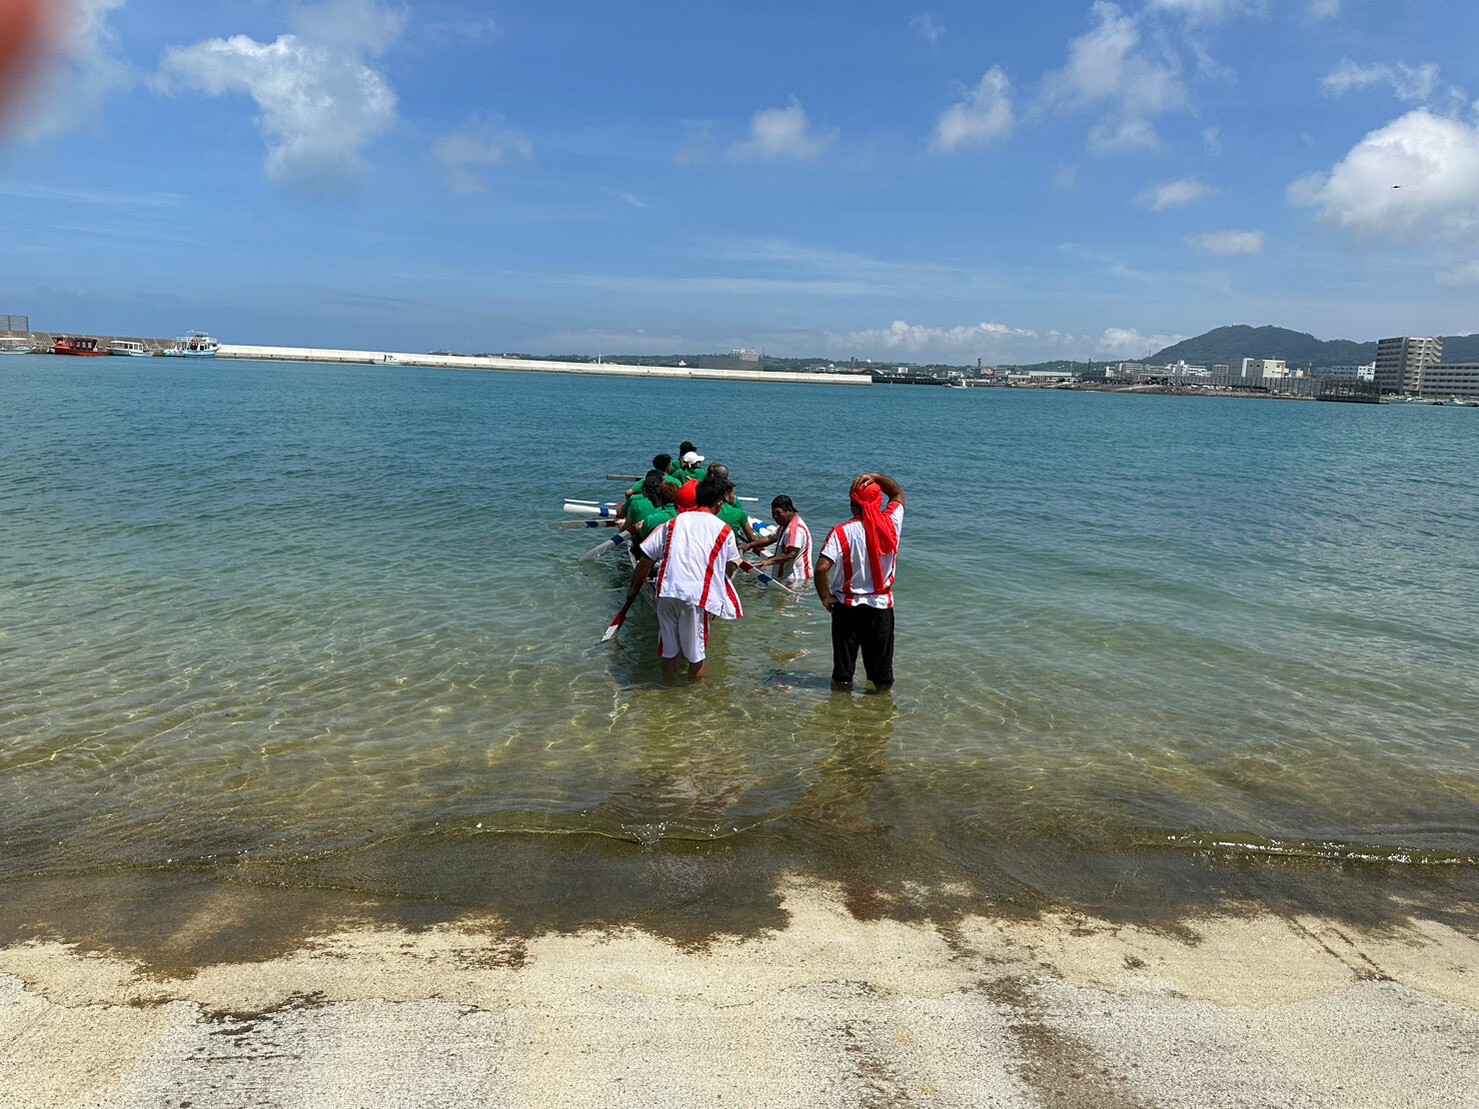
x: 895, y: 181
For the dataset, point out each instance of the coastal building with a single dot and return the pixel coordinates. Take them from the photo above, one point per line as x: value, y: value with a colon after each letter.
x: 1401, y: 363
x: 1457, y: 379
x: 734, y: 360
x: 15, y: 323
x: 1265, y: 367
x: 1346, y: 373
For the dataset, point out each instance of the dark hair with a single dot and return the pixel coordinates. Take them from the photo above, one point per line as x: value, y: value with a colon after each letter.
x: 782, y: 501
x: 684, y: 447
x: 712, y: 491
x: 662, y: 462
x: 718, y: 470
x: 652, y: 486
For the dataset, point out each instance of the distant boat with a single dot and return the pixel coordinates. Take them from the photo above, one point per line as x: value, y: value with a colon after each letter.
x: 956, y: 384
x: 195, y: 345
x: 1464, y: 402
x: 81, y: 346
x: 129, y: 348
x: 17, y: 346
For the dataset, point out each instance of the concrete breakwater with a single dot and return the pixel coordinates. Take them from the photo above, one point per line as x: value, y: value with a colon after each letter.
x: 527, y: 365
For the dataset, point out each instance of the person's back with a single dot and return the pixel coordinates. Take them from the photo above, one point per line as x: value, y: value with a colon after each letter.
x: 852, y: 575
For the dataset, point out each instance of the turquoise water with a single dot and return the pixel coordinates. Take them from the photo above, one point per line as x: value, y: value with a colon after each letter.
x: 309, y: 623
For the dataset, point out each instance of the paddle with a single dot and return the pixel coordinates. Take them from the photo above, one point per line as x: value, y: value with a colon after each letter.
x: 576, y: 525
x: 615, y: 625
x: 622, y: 477
x: 766, y: 579
x: 603, y: 546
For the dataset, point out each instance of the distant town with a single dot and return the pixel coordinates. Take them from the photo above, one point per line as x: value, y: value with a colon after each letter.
x: 1401, y: 369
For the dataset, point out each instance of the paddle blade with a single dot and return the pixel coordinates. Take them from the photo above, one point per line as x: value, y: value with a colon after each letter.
x: 602, y: 547
x: 614, y: 627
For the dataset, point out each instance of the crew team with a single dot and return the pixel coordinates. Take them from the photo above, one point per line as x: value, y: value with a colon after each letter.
x: 691, y: 531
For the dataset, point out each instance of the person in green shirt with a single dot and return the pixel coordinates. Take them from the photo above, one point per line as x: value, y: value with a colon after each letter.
x: 729, y: 510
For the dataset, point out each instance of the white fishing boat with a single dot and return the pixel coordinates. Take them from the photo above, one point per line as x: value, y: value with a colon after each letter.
x: 129, y: 348
x: 197, y: 344
x: 11, y: 345
x: 1464, y: 402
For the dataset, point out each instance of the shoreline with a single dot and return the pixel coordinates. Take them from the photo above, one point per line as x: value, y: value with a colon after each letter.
x: 1255, y: 1007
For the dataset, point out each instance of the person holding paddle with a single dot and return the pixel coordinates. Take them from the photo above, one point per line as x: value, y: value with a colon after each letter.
x: 698, y: 556
x: 855, y: 580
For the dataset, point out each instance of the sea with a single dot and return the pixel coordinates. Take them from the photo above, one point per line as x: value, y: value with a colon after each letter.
x: 281, y: 644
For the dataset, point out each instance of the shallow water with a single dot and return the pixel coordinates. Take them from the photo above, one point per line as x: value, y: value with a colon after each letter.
x: 308, y: 622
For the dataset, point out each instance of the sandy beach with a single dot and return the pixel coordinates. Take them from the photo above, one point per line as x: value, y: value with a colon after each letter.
x: 1248, y: 1009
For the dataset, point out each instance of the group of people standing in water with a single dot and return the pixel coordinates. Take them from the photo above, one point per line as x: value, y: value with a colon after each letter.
x: 692, y: 533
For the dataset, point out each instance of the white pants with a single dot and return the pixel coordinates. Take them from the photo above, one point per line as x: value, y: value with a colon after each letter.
x: 682, y: 628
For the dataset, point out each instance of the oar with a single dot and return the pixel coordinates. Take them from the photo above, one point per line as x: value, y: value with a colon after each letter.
x: 603, y: 546
x: 622, y: 477
x: 579, y: 525
x: 605, y: 511
x: 615, y: 625
x: 766, y: 579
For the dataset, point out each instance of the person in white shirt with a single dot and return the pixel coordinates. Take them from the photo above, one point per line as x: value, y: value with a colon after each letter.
x: 792, y: 539
x: 855, y: 580
x: 696, y: 556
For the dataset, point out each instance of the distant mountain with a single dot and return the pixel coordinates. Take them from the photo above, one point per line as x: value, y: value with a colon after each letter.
x: 1230, y: 345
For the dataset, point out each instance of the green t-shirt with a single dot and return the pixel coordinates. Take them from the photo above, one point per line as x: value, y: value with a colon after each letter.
x: 639, y: 508
x: 735, y: 516
x: 654, y: 520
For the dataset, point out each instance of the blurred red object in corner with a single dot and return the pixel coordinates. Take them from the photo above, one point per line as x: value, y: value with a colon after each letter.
x: 20, y: 42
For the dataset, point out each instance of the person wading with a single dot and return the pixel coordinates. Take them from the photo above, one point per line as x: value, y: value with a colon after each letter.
x: 698, y: 556
x: 855, y: 580
x: 792, y: 539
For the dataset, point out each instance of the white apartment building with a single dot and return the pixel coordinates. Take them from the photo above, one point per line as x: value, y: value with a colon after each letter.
x: 1265, y: 367
x: 1402, y: 363
x: 1349, y: 373
x: 1461, y: 379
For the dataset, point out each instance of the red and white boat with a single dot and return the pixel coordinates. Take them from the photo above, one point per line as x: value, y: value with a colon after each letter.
x: 80, y: 346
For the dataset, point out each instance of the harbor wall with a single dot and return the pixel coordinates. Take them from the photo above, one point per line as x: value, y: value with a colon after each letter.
x: 527, y: 365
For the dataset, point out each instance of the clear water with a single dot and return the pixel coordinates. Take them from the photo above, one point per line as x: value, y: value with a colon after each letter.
x: 292, y: 620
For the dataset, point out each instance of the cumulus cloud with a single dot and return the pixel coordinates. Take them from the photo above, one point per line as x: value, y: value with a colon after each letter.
x: 780, y: 133
x: 1208, y: 11
x: 84, y: 73
x: 984, y: 116
x: 925, y: 27
x: 902, y: 337
x: 1465, y: 273
x: 1127, y: 342
x: 1412, y: 83
x: 1174, y: 194
x: 480, y: 142
x: 1434, y: 161
x: 1228, y: 242
x: 1110, y: 69
x: 320, y: 105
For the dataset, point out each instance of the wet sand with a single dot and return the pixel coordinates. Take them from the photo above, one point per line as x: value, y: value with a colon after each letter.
x: 818, y: 1006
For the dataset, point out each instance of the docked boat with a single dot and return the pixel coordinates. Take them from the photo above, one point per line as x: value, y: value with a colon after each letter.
x: 129, y: 348
x: 17, y: 346
x: 197, y: 344
x: 78, y: 345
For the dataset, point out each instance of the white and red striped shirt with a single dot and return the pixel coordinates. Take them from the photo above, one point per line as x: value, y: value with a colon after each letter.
x: 798, y: 570
x: 692, y: 552
x: 852, y: 574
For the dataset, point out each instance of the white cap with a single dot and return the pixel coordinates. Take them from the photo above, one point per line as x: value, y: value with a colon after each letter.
x: 691, y: 457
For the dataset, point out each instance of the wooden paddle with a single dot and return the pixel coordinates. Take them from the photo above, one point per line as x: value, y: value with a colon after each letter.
x: 578, y: 525
x: 603, y: 546
x: 615, y: 625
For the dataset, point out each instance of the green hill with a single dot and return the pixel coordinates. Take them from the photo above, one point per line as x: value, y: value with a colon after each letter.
x: 1230, y: 345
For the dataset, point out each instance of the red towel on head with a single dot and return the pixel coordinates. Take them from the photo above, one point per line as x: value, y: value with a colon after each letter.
x: 878, y: 529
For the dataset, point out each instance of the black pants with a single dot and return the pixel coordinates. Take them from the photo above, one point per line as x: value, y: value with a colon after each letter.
x: 872, y: 630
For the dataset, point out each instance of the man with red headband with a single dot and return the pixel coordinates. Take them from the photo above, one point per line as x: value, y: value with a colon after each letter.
x: 855, y: 579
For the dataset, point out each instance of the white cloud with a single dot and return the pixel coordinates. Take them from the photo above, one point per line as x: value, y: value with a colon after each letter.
x: 1174, y: 194
x: 1435, y: 162
x: 461, y: 32
x: 348, y: 26
x: 86, y: 71
x: 902, y: 337
x: 1412, y: 84
x: 480, y: 142
x: 777, y: 133
x: 1228, y: 242
x: 984, y: 116
x: 1208, y: 11
x: 1465, y: 273
x: 1109, y: 68
x: 925, y: 27
x: 1324, y: 9
x: 1126, y: 342
x: 321, y: 106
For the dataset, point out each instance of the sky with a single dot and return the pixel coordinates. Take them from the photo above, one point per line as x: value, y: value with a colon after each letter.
x: 908, y: 182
